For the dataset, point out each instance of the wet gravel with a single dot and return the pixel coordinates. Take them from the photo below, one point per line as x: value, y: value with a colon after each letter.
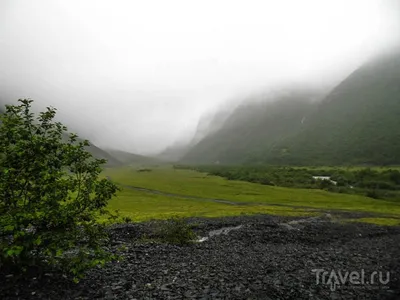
x: 265, y: 258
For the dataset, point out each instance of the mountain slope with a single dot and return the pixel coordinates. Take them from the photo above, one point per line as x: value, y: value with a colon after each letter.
x: 174, y: 152
x: 358, y: 123
x: 207, y: 125
x: 131, y: 158
x: 253, y: 128
x: 100, y: 153
x: 96, y: 151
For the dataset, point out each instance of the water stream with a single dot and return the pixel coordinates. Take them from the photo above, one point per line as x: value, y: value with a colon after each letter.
x: 224, y: 230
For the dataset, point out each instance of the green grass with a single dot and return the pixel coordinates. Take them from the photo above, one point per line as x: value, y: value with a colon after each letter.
x: 142, y: 206
x: 187, y: 182
x: 378, y: 221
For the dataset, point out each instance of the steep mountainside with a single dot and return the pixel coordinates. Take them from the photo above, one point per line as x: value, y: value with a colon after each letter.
x: 253, y: 129
x: 131, y: 158
x: 357, y: 123
x: 174, y: 153
x: 100, y: 153
x: 209, y: 124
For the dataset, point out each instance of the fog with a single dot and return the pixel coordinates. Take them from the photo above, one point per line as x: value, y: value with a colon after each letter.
x: 139, y: 75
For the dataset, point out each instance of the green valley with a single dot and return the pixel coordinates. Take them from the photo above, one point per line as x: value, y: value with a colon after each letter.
x: 245, y: 197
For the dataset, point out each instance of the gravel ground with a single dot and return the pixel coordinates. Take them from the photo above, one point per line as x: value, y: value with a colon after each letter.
x: 265, y: 258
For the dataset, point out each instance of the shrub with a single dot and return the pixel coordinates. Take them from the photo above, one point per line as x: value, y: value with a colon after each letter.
x: 127, y: 219
x: 144, y: 170
x: 177, y: 231
x: 324, y: 184
x: 373, y: 194
x: 172, y: 231
x: 50, y: 195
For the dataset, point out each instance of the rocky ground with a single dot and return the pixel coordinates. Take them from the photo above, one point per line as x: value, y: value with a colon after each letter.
x: 263, y: 257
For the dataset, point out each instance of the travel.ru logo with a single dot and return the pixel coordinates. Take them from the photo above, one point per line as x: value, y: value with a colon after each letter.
x: 338, y: 278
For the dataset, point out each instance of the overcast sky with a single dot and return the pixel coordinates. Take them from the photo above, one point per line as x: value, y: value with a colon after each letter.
x: 137, y: 75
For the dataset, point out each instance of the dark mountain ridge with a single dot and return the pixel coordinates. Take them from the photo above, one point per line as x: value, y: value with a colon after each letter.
x: 254, y: 127
x: 357, y: 123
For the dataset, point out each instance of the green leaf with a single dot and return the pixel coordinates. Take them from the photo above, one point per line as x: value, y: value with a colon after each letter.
x: 9, y: 228
x: 14, y: 251
x: 38, y: 241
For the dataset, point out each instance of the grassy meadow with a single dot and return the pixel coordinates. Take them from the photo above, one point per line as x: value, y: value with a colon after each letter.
x: 251, y: 198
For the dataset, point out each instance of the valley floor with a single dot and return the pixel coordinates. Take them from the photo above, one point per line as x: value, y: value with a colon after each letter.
x: 162, y: 192
x: 268, y: 257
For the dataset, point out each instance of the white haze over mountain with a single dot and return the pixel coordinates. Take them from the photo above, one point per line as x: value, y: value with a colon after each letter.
x: 138, y: 75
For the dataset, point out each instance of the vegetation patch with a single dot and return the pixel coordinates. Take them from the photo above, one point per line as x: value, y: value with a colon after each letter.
x: 190, y: 183
x: 378, y: 221
x: 51, y: 194
x: 174, y: 230
x: 376, y: 183
x: 141, y: 206
x: 144, y: 170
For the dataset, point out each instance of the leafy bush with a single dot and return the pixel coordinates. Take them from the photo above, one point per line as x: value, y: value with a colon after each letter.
x: 394, y: 176
x: 127, y: 220
x: 372, y: 194
x: 380, y: 185
x: 172, y: 231
x: 177, y: 231
x: 50, y: 195
x: 324, y: 184
x: 144, y: 170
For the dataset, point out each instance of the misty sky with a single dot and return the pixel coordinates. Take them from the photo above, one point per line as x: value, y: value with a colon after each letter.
x: 138, y: 75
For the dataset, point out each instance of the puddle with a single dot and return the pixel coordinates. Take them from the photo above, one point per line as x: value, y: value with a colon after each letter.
x: 224, y: 230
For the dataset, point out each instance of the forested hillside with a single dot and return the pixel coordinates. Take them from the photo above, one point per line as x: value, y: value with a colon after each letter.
x: 254, y: 129
x: 357, y: 123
